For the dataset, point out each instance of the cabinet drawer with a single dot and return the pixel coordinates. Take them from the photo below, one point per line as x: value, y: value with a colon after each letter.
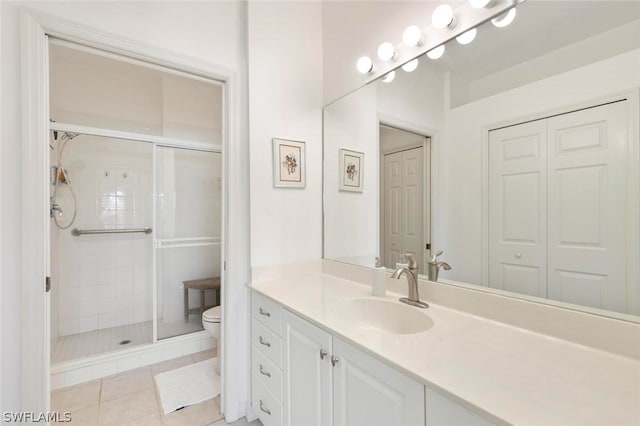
x: 267, y: 341
x: 267, y: 407
x: 267, y: 372
x: 267, y: 312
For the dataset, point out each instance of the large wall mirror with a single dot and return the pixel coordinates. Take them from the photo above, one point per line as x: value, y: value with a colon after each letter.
x: 516, y: 155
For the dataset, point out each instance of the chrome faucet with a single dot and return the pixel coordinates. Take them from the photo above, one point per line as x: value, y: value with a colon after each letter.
x: 433, y: 267
x: 411, y: 272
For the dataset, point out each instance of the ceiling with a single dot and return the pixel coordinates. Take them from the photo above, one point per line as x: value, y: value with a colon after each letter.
x: 541, y: 26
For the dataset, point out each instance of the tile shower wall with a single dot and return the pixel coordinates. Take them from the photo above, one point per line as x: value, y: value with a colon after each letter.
x: 106, y: 280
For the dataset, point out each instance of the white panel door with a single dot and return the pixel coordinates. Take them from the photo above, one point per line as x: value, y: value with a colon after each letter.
x: 517, y: 208
x: 307, y: 373
x: 403, y: 206
x: 392, y: 209
x: 587, y: 207
x: 369, y: 393
x: 412, y: 205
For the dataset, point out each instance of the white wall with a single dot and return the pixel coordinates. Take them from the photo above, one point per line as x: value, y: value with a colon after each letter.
x: 210, y: 31
x: 351, y: 218
x: 458, y: 231
x: 285, y: 88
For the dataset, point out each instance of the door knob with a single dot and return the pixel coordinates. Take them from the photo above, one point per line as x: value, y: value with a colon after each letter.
x: 334, y: 360
x: 323, y: 353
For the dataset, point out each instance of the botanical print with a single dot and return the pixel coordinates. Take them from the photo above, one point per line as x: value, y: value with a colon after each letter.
x: 350, y: 167
x: 289, y: 170
x: 290, y: 163
x: 352, y: 170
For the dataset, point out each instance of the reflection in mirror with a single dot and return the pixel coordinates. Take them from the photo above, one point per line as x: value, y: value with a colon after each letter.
x: 528, y: 174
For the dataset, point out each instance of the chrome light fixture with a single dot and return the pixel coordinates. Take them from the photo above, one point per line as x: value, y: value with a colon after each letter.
x: 467, y: 37
x: 504, y: 19
x: 443, y: 17
x: 386, y: 51
x: 365, y: 65
x: 413, y: 36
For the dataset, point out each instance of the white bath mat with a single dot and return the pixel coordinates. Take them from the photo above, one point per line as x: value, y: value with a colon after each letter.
x: 188, y: 385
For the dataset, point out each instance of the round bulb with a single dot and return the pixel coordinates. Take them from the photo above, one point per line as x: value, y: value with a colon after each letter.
x: 479, y: 4
x: 365, y: 65
x: 389, y: 77
x: 467, y: 37
x: 442, y: 17
x: 386, y: 51
x: 410, y: 66
x: 504, y: 19
x: 436, y: 53
x: 413, y: 36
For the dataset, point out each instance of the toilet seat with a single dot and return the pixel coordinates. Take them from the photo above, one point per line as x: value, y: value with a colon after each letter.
x: 212, y: 315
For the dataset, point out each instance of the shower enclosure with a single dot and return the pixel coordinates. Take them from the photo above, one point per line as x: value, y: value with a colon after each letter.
x: 136, y: 201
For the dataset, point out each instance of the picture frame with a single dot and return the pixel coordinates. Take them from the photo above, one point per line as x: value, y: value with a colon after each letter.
x: 351, y: 169
x: 289, y: 163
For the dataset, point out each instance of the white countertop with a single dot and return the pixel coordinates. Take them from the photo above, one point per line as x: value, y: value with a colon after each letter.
x: 511, y: 374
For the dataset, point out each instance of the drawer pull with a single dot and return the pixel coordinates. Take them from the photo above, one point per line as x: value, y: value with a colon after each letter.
x: 265, y: 343
x: 266, y: 410
x: 323, y: 353
x: 265, y: 313
x: 334, y: 360
x: 264, y: 373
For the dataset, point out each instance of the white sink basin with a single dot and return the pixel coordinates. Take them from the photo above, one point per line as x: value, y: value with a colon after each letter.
x: 380, y: 315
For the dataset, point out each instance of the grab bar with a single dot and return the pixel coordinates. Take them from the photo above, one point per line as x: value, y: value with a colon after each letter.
x: 77, y: 232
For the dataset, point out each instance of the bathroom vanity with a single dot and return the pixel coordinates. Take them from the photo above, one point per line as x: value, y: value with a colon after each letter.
x: 324, y: 351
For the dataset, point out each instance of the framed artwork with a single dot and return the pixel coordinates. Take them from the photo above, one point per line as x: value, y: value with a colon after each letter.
x: 289, y: 169
x: 351, y: 170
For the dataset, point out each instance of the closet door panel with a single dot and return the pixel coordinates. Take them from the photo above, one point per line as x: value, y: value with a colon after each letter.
x: 587, y: 207
x: 517, y: 208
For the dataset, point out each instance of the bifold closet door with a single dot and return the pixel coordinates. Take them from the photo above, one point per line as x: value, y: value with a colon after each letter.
x: 518, y: 208
x: 587, y: 171
x: 188, y: 189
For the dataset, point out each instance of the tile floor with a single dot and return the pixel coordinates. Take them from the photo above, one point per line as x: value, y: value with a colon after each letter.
x: 131, y: 398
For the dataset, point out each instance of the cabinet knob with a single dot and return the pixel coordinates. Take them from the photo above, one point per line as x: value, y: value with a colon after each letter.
x: 263, y: 372
x: 265, y: 410
x: 518, y: 255
x: 264, y: 342
x: 334, y: 360
x: 323, y: 353
x: 265, y: 313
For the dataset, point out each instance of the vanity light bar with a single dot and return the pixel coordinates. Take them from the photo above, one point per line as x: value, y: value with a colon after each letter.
x: 447, y: 24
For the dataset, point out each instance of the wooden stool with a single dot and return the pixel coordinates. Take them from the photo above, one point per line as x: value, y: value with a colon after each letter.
x: 202, y: 285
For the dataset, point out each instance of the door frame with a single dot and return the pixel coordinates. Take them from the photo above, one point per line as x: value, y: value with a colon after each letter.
x: 633, y: 196
x: 35, y: 303
x: 428, y: 176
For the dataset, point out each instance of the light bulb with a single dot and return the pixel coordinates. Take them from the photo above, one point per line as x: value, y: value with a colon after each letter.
x: 410, y: 66
x: 365, y: 65
x: 413, y: 36
x: 479, y: 4
x: 436, y: 53
x: 467, y: 37
x: 504, y: 19
x: 389, y: 77
x: 386, y: 51
x: 443, y: 17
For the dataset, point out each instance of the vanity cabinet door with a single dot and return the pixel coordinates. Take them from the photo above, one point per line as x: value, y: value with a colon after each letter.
x: 307, y: 372
x: 367, y: 392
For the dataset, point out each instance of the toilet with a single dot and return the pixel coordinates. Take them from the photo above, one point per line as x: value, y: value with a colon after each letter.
x: 211, y: 323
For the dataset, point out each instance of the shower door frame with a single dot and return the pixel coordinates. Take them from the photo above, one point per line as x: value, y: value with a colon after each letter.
x: 35, y: 302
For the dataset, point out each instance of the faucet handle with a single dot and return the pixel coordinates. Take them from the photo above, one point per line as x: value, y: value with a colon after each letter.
x: 434, y: 258
x: 410, y: 260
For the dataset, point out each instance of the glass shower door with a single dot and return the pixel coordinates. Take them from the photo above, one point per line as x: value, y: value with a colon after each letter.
x: 188, y: 218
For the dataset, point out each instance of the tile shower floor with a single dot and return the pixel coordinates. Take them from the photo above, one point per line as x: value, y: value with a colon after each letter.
x: 131, y: 398
x: 74, y: 346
